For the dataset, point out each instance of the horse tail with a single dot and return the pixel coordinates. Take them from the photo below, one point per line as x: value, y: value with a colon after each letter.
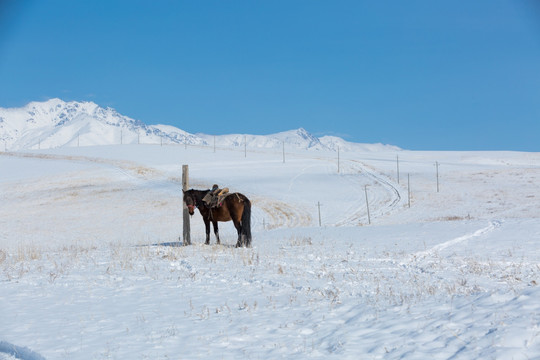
x: 246, y: 223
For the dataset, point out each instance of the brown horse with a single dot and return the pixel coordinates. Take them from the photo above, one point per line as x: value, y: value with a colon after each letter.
x: 235, y: 207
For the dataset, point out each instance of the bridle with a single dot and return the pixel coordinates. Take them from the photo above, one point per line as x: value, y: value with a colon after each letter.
x: 194, y: 206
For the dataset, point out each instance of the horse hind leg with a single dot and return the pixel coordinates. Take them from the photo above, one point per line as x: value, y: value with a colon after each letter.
x: 238, y: 226
x: 246, y: 225
x: 207, y: 226
x: 243, y: 239
x: 239, y: 241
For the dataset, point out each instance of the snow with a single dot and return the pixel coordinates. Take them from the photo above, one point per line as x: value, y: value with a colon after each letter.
x: 92, y: 267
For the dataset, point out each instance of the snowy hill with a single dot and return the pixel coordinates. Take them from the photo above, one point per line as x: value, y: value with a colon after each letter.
x: 334, y: 142
x: 92, y: 267
x: 56, y: 123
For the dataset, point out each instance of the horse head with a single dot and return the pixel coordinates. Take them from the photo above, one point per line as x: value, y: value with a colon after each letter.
x: 190, y: 200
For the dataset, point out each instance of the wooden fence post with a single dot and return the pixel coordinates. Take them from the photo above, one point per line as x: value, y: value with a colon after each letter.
x: 185, y: 184
x: 367, y: 206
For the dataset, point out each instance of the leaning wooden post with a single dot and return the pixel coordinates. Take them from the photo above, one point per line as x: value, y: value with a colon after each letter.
x: 185, y: 184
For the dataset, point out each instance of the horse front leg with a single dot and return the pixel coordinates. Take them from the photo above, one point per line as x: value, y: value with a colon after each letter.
x: 207, y: 225
x: 216, y: 231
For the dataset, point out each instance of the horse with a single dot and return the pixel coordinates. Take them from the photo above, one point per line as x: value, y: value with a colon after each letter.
x: 235, y: 207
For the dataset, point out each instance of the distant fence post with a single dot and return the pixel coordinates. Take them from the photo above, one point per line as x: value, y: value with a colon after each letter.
x: 338, y: 159
x: 319, y: 207
x: 409, y: 189
x: 185, y: 184
x: 397, y: 165
x: 367, y: 206
x: 437, y: 170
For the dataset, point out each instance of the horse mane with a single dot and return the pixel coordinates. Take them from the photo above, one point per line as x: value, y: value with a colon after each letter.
x: 198, y: 195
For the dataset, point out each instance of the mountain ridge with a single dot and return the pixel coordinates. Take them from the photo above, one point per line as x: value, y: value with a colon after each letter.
x: 57, y: 123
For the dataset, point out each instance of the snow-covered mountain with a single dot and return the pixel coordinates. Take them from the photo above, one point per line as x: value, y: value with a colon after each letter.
x: 299, y: 138
x: 56, y: 123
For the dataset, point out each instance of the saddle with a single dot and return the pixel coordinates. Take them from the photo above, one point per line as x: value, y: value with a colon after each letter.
x: 216, y: 196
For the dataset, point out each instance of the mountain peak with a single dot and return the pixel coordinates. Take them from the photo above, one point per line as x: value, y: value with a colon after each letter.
x: 53, y: 102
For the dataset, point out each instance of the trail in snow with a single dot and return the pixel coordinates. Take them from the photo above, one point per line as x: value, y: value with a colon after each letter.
x: 439, y: 247
x: 379, y: 204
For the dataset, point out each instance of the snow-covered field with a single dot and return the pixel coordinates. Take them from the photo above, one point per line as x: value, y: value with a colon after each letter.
x: 92, y: 267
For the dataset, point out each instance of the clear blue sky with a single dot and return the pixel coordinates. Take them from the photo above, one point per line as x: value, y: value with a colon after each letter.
x: 429, y: 75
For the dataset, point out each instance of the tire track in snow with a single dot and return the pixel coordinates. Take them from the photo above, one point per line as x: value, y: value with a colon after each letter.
x: 360, y: 214
x: 480, y: 232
